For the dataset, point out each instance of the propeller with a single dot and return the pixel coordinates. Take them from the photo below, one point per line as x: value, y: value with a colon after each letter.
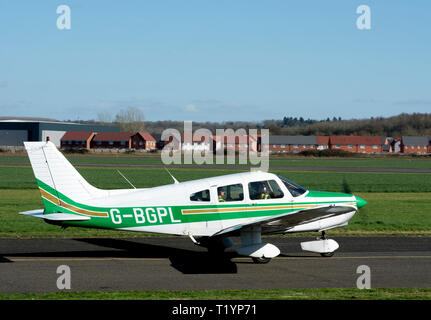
x: 361, y: 203
x: 346, y: 186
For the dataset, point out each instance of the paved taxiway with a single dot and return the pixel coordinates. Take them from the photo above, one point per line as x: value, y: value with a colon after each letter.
x: 175, y: 263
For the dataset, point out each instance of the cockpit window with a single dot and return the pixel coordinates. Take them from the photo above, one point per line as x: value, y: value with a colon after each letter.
x: 264, y: 190
x: 233, y: 192
x: 294, y: 189
x: 203, y: 195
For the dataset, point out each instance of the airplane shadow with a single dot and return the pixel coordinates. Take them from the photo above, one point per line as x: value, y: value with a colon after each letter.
x: 184, y: 260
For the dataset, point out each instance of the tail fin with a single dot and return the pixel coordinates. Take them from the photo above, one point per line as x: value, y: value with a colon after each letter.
x: 52, y: 169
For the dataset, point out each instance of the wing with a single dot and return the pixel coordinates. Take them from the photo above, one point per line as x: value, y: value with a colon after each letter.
x: 282, y: 222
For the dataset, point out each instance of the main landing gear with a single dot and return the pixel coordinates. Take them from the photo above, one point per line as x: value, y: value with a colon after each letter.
x: 252, y: 246
x: 261, y: 260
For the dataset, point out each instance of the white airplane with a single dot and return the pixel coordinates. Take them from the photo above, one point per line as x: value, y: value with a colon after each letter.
x: 207, y: 210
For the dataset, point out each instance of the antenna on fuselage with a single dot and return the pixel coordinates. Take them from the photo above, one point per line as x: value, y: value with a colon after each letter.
x: 175, y: 180
x: 126, y: 179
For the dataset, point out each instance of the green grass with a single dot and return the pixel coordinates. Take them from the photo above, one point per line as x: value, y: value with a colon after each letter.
x: 275, y: 161
x: 292, y: 294
x: 386, y: 213
x: 21, y: 177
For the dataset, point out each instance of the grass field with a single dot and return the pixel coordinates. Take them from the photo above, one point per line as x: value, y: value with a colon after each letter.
x: 275, y: 161
x: 21, y: 177
x: 293, y: 294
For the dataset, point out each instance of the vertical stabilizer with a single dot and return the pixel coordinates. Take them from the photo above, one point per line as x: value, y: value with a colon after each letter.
x: 52, y: 169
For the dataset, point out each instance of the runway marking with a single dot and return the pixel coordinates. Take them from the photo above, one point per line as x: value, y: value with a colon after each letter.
x: 235, y: 258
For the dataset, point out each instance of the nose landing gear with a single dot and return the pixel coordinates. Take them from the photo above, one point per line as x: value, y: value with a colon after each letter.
x: 326, y: 247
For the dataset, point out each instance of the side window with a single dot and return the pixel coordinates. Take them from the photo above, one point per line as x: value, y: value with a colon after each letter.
x: 203, y: 195
x: 263, y: 190
x: 233, y: 192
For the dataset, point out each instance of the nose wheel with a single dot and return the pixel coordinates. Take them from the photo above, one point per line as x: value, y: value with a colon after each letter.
x: 325, y: 254
x: 322, y: 245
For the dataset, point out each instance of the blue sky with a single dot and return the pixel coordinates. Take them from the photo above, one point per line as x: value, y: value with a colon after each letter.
x: 208, y: 60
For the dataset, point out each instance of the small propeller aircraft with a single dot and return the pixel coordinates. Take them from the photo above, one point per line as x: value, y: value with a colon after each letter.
x: 208, y: 210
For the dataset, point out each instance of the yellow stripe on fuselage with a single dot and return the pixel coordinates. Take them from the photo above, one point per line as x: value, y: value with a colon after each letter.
x: 255, y: 208
x: 46, y: 195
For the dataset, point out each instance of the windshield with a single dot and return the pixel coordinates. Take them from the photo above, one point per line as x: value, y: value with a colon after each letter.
x: 294, y: 189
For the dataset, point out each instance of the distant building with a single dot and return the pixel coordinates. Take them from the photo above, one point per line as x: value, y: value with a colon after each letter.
x: 14, y: 131
x: 123, y: 140
x: 411, y: 144
x: 292, y: 143
x: 172, y: 143
x: 242, y: 143
x: 112, y: 140
x: 396, y: 145
x: 77, y: 140
x: 322, y: 142
x: 143, y: 140
x: 361, y: 144
x: 388, y: 144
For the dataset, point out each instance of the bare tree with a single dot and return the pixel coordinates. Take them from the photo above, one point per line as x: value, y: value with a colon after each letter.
x: 104, y: 117
x: 130, y: 119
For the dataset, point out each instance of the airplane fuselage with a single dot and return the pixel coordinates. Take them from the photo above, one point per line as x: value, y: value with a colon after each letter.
x: 170, y: 209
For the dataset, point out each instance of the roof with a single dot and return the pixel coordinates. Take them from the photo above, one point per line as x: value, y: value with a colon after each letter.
x: 194, y: 137
x: 147, y: 136
x: 113, y: 136
x: 356, y: 140
x: 415, y: 141
x: 238, y: 139
x: 310, y: 140
x: 77, y: 135
x: 322, y: 140
x: 27, y: 119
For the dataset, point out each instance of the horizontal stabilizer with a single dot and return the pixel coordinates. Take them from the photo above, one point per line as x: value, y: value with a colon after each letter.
x: 55, y: 216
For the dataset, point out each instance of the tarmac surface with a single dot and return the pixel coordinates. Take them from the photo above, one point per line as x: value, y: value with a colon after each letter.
x: 175, y: 263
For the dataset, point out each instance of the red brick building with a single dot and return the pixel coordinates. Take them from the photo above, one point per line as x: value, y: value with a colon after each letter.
x: 143, y: 140
x: 76, y: 140
x: 241, y: 143
x: 361, y: 144
x: 322, y: 142
x: 123, y: 140
x: 112, y: 140
x: 279, y: 144
x: 418, y: 145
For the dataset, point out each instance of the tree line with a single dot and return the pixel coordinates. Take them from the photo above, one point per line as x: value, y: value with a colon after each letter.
x: 415, y: 124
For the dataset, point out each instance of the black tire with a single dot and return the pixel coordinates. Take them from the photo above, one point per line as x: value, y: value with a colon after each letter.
x: 261, y: 260
x: 327, y: 254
